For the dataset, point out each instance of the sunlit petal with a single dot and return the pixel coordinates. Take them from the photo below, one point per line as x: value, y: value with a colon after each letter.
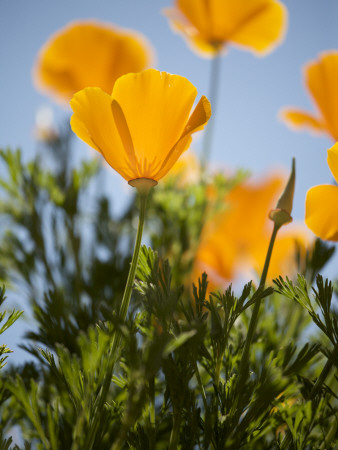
x: 196, y: 122
x: 144, y: 126
x: 332, y: 160
x: 321, y: 211
x: 156, y: 106
x: 298, y: 119
x: 186, y: 170
x: 93, y: 122
x: 321, y: 79
x: 88, y: 54
x: 260, y: 26
x: 257, y: 25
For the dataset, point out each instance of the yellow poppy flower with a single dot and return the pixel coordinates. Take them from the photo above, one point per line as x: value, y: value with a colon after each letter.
x: 210, y: 25
x: 235, y: 242
x: 321, y: 80
x: 143, y: 127
x: 88, y: 53
x: 321, y: 205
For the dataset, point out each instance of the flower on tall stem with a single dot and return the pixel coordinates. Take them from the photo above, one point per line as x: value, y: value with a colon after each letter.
x: 141, y: 129
x: 89, y: 53
x: 321, y: 204
x: 321, y: 80
x: 209, y: 26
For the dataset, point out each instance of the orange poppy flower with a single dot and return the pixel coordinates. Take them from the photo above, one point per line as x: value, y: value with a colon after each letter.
x: 321, y: 80
x: 235, y: 242
x: 321, y: 205
x: 186, y: 171
x: 210, y: 25
x: 88, y: 53
x: 143, y: 127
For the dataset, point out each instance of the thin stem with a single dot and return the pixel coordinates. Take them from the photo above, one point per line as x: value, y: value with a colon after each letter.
x: 152, y: 415
x: 131, y: 276
x: 294, y: 320
x: 254, y: 317
x: 320, y: 380
x: 175, y: 432
x: 213, y: 93
x: 122, y: 316
x: 218, y: 368
x: 200, y: 384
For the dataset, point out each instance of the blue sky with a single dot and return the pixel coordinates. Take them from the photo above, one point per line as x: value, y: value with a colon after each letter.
x: 248, y: 133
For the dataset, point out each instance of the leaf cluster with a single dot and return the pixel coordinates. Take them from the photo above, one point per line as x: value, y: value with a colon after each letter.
x: 178, y: 379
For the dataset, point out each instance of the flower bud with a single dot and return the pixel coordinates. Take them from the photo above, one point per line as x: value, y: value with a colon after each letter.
x: 282, y: 214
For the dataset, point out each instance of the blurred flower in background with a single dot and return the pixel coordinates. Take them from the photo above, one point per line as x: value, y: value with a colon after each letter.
x: 45, y: 127
x: 211, y: 25
x: 321, y: 205
x: 144, y: 126
x: 185, y: 171
x: 234, y: 243
x: 321, y: 78
x: 89, y: 53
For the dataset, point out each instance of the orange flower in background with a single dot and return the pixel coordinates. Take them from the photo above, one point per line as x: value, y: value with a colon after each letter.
x: 321, y: 205
x: 210, y: 25
x: 144, y: 126
x: 89, y: 53
x: 235, y: 242
x: 321, y: 80
x: 186, y: 170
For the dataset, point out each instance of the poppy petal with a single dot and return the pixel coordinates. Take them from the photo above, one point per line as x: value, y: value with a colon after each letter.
x: 298, y: 119
x: 321, y: 79
x: 156, y: 106
x: 196, y: 122
x: 208, y: 26
x: 260, y: 26
x: 321, y: 211
x: 332, y: 160
x: 94, y: 123
x: 88, y: 53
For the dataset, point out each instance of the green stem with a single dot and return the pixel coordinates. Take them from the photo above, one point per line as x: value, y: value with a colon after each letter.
x: 200, y: 384
x: 294, y: 320
x: 131, y: 276
x: 112, y: 355
x: 218, y: 369
x: 213, y: 92
x: 254, y: 317
x: 152, y: 414
x: 320, y: 380
x: 175, y: 432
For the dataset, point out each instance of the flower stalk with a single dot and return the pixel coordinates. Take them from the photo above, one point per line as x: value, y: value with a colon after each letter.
x: 281, y: 215
x: 254, y: 317
x: 213, y: 95
x: 143, y: 186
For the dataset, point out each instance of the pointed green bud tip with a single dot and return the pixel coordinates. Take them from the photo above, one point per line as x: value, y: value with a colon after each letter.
x: 281, y: 215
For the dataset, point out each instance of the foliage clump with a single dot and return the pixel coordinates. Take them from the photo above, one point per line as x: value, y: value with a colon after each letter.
x: 181, y: 377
